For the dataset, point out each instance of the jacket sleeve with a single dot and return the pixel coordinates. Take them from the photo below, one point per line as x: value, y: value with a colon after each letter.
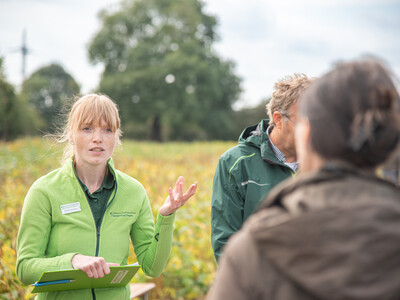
x: 152, y: 244
x: 33, y: 237
x: 227, y: 206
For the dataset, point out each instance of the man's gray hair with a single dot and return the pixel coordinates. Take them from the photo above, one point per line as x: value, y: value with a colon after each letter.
x: 286, y: 92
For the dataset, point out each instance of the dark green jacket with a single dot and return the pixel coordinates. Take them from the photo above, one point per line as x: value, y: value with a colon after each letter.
x: 244, y: 176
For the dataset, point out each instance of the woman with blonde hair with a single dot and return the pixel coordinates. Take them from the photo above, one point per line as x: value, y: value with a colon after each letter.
x: 333, y: 231
x: 83, y: 214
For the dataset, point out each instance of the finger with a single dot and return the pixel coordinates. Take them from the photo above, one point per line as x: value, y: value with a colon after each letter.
x: 180, y: 190
x: 102, y: 267
x: 108, y: 265
x: 94, y: 271
x: 193, y: 188
x: 106, y: 269
x: 88, y: 271
x: 100, y: 272
x: 176, y: 185
x: 191, y: 191
x: 177, y: 182
x: 180, y: 179
x: 171, y: 196
x: 178, y: 195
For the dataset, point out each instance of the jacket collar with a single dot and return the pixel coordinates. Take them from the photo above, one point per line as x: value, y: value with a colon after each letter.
x: 68, y: 169
x: 256, y: 136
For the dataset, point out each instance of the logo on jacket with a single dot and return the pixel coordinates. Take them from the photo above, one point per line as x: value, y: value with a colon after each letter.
x: 122, y: 214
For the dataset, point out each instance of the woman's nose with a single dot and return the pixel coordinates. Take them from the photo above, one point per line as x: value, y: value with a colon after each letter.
x: 97, y: 135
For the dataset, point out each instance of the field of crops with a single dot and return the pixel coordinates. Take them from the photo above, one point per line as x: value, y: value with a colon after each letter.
x: 191, y: 266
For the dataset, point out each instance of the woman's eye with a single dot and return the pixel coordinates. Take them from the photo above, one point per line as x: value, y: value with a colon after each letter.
x: 108, y: 130
x: 86, y: 128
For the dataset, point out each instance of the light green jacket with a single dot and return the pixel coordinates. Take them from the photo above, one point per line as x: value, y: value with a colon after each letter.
x: 49, y: 235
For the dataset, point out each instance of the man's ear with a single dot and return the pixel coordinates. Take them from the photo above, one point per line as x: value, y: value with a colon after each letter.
x: 278, y: 119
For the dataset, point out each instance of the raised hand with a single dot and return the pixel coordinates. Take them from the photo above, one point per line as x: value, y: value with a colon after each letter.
x: 176, y: 198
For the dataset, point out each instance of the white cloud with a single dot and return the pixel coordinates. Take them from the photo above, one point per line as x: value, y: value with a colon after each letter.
x: 267, y: 39
x: 304, y: 36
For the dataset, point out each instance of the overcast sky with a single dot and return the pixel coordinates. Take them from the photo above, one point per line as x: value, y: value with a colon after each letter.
x: 267, y: 39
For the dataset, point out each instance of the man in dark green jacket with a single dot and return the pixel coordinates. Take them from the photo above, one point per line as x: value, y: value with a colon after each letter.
x: 264, y: 157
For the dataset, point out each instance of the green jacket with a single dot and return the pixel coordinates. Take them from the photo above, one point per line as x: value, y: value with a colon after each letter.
x: 244, y: 176
x: 50, y: 235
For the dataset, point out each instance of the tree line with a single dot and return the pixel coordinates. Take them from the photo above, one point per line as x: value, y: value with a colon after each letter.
x: 160, y: 68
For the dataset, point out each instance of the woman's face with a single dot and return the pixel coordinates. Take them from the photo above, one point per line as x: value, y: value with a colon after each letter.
x: 93, y: 144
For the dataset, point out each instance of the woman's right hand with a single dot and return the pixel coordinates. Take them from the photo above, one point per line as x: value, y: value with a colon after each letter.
x: 93, y: 266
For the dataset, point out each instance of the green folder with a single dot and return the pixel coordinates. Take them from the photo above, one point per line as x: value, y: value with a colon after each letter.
x: 77, y: 279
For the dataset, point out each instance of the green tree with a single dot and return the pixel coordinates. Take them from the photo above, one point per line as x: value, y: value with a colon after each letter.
x: 16, y: 116
x: 47, y: 89
x: 162, y: 71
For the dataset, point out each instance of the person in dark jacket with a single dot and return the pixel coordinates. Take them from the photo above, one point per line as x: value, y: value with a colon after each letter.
x: 265, y: 156
x: 333, y: 231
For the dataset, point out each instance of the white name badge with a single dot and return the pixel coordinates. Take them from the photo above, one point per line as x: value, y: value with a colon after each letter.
x: 70, y: 208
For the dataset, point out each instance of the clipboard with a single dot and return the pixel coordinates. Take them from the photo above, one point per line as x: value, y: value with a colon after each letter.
x: 76, y: 279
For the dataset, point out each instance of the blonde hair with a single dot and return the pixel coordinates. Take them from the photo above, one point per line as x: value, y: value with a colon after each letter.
x: 89, y: 109
x: 287, y: 91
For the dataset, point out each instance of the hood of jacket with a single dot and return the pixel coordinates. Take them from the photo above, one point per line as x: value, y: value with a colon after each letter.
x: 334, y: 234
x: 256, y: 136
